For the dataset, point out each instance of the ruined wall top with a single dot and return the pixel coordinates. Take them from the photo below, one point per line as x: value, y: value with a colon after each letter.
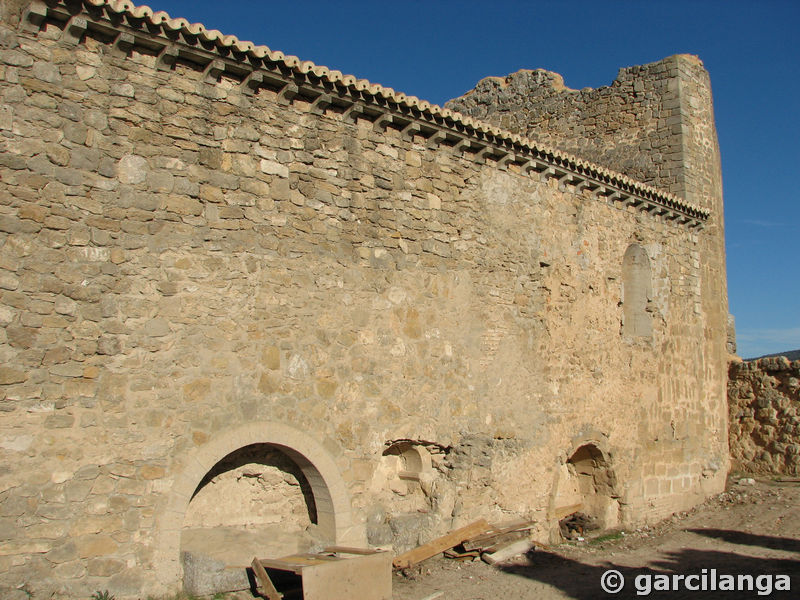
x: 127, y: 25
x: 654, y: 123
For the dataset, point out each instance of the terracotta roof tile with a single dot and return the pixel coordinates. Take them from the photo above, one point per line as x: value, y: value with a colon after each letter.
x: 163, y: 19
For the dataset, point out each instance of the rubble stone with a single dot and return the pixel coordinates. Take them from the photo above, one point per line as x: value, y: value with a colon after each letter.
x: 764, y: 402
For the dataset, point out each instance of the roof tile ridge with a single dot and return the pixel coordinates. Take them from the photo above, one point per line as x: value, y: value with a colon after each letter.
x: 374, y: 89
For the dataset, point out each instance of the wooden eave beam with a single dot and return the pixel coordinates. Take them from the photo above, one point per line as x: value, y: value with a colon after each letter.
x: 213, y: 71
x: 124, y: 41
x: 438, y: 137
x: 252, y: 82
x: 321, y: 103
x: 75, y: 29
x: 288, y: 92
x: 411, y: 129
x: 34, y: 17
x: 353, y: 112
x: 167, y: 57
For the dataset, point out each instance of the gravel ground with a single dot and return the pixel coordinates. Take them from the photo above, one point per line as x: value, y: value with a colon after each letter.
x: 747, y: 530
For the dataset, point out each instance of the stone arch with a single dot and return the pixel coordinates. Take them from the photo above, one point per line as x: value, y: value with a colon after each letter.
x: 332, y: 501
x: 636, y: 293
x: 404, y: 478
x: 416, y: 460
x: 585, y: 483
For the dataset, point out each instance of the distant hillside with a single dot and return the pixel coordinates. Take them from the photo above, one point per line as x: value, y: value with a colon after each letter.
x: 790, y: 354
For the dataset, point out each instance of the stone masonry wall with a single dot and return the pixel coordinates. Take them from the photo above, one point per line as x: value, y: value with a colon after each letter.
x: 179, y: 260
x: 638, y: 125
x: 655, y: 123
x: 764, y: 397
x: 626, y: 126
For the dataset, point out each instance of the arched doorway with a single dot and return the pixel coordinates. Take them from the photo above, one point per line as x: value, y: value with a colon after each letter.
x: 585, y: 494
x: 256, y: 501
x: 277, y: 448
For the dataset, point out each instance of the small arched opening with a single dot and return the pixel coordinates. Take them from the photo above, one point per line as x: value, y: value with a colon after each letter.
x: 636, y: 293
x: 412, y: 459
x: 586, y: 498
x: 408, y: 472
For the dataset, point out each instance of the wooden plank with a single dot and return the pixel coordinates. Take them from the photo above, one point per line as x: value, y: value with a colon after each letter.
x: 297, y: 562
x: 565, y: 511
x: 510, y: 526
x: 313, y: 558
x: 508, y: 551
x: 265, y: 581
x: 350, y: 550
x: 456, y: 555
x: 434, y: 547
x: 542, y: 546
x: 499, y: 541
x: 497, y: 535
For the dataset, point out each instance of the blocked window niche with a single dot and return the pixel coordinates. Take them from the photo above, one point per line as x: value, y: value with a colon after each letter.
x: 636, y: 293
x: 407, y: 469
x: 586, y: 499
x: 412, y: 460
x: 256, y: 499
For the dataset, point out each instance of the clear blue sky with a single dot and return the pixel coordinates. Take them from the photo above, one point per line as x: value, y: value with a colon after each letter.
x: 439, y: 49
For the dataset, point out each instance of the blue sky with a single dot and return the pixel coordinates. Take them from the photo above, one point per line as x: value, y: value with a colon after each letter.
x: 439, y: 49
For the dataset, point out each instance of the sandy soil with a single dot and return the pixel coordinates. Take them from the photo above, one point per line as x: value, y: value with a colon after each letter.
x: 749, y: 529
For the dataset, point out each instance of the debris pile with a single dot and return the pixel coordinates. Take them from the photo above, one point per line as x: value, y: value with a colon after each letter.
x: 575, y: 526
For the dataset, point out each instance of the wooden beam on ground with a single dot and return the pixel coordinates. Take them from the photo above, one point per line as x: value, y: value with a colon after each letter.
x: 265, y: 581
x: 508, y: 551
x: 434, y: 547
x: 497, y: 535
x: 351, y: 550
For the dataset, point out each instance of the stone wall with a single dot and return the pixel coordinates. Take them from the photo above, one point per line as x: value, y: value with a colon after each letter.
x: 189, y: 266
x: 655, y: 123
x: 764, y: 397
x: 641, y: 125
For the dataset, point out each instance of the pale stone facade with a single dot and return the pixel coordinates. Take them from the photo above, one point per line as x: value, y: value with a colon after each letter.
x: 209, y: 250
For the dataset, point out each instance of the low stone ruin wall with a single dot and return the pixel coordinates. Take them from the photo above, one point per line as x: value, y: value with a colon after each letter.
x: 764, y: 400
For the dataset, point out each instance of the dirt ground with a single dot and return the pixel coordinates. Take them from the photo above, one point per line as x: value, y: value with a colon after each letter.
x: 747, y: 530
